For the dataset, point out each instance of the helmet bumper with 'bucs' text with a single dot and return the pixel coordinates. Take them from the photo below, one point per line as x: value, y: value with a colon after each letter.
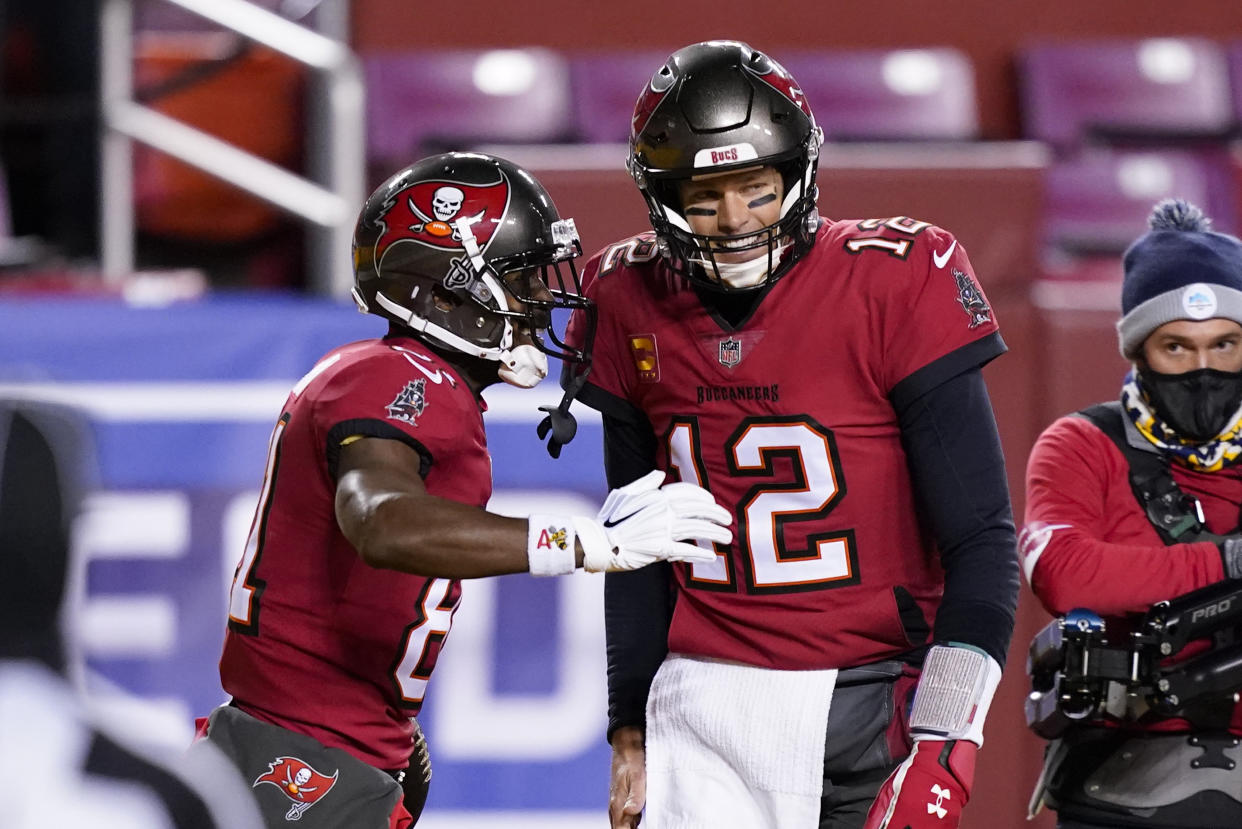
x: 468, y: 251
x: 717, y: 107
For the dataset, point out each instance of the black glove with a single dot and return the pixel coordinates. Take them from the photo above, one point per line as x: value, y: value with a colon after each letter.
x: 1231, y: 555
x: 1230, y: 547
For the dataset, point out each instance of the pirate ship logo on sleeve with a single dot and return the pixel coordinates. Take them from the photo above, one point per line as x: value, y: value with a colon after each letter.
x: 409, y: 402
x: 971, y: 298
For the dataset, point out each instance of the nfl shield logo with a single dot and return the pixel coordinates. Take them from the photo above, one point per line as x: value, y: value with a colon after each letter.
x: 730, y: 352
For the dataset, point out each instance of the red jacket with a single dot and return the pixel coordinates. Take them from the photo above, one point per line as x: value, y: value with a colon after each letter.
x: 1087, y: 542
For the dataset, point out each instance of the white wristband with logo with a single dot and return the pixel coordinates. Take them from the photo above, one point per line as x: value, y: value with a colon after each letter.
x: 550, y: 547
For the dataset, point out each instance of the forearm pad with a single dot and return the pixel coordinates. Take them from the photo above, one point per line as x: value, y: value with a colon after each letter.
x: 954, y: 694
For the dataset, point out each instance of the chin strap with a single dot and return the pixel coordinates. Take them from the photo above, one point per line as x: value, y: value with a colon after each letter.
x: 749, y: 274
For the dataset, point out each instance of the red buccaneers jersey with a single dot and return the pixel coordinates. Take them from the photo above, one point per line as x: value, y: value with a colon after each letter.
x: 318, y: 641
x: 789, y: 421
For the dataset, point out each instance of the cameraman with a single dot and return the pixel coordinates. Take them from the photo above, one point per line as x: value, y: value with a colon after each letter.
x: 1102, y: 537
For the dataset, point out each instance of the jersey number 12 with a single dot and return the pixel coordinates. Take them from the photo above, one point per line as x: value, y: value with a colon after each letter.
x: 829, y: 559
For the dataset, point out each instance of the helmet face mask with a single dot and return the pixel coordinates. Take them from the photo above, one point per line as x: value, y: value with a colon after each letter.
x: 539, y: 294
x: 718, y: 107
x: 468, y: 251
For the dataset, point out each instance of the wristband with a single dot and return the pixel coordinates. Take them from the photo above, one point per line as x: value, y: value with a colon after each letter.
x: 954, y: 694
x: 550, y: 548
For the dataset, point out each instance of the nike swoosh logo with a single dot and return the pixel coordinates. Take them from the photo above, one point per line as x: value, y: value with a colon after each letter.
x: 942, y: 259
x: 435, y: 377
x: 431, y: 374
x: 609, y: 524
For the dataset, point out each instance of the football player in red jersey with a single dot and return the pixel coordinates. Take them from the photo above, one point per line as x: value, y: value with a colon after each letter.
x: 833, y: 666
x: 372, y: 507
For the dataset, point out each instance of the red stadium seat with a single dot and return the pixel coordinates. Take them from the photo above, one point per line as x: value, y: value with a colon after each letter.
x: 1234, y: 57
x: 882, y: 94
x: 254, y: 102
x: 869, y: 95
x: 431, y: 101
x: 159, y: 16
x: 605, y: 88
x: 1097, y: 201
x: 1162, y: 89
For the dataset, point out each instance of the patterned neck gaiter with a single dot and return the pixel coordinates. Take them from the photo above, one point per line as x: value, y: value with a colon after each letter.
x: 1223, y: 450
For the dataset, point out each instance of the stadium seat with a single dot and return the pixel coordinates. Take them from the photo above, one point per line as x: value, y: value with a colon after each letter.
x: 156, y: 15
x: 429, y: 101
x: 1234, y: 57
x: 876, y: 94
x: 605, y: 88
x: 1097, y: 201
x: 253, y: 100
x: 868, y: 95
x: 1160, y: 90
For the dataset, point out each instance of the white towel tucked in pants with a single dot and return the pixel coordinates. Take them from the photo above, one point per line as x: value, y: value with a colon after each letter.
x: 732, y: 745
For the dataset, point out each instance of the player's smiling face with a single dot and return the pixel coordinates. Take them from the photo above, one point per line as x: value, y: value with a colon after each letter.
x: 733, y: 204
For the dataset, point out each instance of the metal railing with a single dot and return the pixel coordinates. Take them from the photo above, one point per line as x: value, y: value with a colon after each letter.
x: 328, y: 200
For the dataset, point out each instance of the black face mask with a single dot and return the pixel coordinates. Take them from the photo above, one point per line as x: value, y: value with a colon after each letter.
x: 1197, y: 404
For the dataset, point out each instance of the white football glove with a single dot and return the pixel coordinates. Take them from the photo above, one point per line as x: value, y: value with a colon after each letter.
x: 640, y: 523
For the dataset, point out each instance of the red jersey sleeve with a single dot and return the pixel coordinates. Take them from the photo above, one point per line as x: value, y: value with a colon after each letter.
x: 1086, y: 542
x: 935, y: 308
x: 392, y: 392
x: 618, y: 357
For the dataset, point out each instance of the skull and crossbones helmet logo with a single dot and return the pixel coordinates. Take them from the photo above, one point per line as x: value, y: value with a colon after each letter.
x: 465, y: 249
x: 446, y: 202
